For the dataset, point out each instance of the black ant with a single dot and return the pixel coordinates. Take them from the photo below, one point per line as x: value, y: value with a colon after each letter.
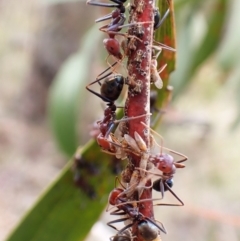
x: 157, y: 187
x: 158, y: 21
x: 82, y: 168
x: 110, y: 90
x: 128, y: 209
x: 148, y: 231
x: 153, y: 107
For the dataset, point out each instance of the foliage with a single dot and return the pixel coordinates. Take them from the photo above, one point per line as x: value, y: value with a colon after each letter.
x: 200, y: 26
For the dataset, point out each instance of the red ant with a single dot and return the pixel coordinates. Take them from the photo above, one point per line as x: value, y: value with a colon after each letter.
x: 117, y: 14
x: 166, y: 164
x: 111, y: 44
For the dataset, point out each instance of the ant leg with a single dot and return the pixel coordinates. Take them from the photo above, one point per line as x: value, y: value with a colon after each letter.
x: 153, y: 139
x: 116, y: 221
x: 108, y: 5
x: 178, y: 163
x: 158, y: 46
x: 162, y: 19
x: 107, y: 69
x: 106, y: 17
x: 98, y: 81
x: 126, y: 227
x: 123, y: 119
x: 117, y: 179
x: 174, y: 194
x: 156, y: 225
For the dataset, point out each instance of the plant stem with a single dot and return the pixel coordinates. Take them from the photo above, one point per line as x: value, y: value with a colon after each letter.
x: 138, y: 101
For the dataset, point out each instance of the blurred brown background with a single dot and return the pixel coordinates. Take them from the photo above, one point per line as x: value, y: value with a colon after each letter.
x: 35, y: 39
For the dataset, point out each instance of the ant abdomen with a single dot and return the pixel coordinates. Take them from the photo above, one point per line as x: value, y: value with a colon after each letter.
x: 113, y: 196
x: 112, y: 88
x: 157, y: 187
x: 147, y: 230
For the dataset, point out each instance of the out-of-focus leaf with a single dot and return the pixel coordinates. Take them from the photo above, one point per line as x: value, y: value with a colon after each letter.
x: 65, y: 93
x: 213, y: 35
x: 208, y: 45
x: 229, y: 54
x: 63, y: 212
x: 165, y: 34
x: 234, y: 82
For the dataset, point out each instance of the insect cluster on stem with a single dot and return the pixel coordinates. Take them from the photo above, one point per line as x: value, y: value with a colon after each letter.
x: 150, y: 165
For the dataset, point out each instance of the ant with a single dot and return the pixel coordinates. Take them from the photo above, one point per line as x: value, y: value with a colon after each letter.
x: 112, y: 45
x: 148, y: 231
x: 153, y: 107
x: 110, y: 91
x: 166, y: 164
x: 118, y: 14
x: 158, y: 21
x: 154, y: 73
x: 82, y: 168
x: 128, y: 209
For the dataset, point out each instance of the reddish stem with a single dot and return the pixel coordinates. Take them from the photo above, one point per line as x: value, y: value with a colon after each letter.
x: 138, y: 102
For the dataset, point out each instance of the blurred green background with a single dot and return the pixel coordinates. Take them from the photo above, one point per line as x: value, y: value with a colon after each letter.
x: 202, y: 121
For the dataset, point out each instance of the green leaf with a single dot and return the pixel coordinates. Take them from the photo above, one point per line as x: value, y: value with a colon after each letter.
x: 228, y: 56
x: 64, y: 213
x: 65, y: 93
x: 165, y: 34
x: 190, y: 58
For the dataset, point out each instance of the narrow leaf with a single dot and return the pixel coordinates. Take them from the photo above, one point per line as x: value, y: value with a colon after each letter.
x: 67, y: 91
x: 63, y: 212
